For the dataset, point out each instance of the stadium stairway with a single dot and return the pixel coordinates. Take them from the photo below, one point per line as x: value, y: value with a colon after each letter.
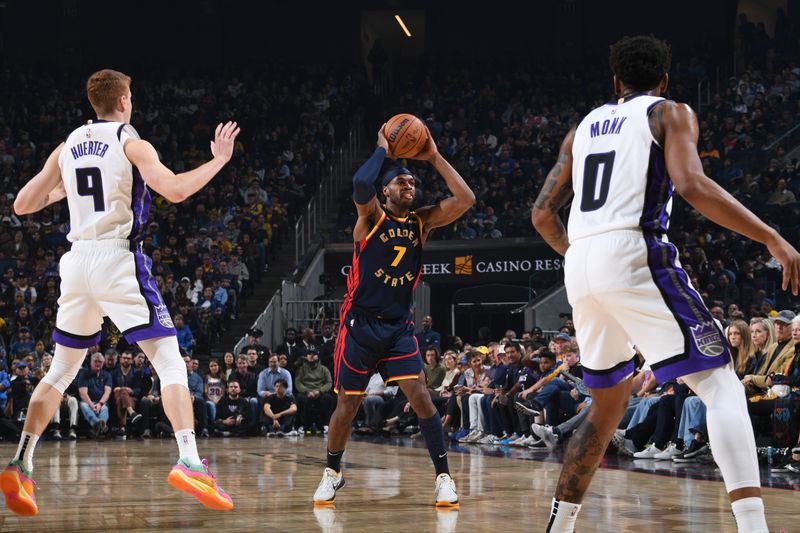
x: 281, y: 267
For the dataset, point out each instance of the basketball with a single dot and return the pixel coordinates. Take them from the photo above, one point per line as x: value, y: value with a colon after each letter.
x: 406, y: 134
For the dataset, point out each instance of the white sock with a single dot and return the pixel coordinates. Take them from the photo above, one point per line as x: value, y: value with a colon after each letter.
x: 27, y: 443
x: 563, y: 517
x: 187, y: 446
x: 749, y: 515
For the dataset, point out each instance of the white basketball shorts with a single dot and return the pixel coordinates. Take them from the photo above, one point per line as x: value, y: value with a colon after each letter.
x: 104, y: 278
x: 627, y: 288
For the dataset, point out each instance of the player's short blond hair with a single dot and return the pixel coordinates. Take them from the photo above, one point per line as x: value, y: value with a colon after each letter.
x: 104, y: 88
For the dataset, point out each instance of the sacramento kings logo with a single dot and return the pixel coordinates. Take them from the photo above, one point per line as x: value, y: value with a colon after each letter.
x: 707, y: 339
x: 162, y: 313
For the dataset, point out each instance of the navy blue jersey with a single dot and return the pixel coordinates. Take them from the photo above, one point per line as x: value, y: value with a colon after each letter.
x: 386, y: 268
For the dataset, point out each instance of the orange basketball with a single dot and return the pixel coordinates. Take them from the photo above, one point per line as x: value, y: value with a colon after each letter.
x: 406, y: 134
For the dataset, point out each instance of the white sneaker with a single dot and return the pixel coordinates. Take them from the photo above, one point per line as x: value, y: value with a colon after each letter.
x: 624, y: 445
x: 668, y: 454
x: 468, y: 436
x: 489, y: 439
x: 478, y: 435
x: 648, y: 453
x: 545, y: 433
x: 326, y: 491
x: 446, y: 495
x: 292, y: 433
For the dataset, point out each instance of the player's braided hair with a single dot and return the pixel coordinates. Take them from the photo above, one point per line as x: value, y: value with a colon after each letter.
x: 640, y: 62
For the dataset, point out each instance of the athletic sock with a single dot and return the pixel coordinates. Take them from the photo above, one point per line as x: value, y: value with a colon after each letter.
x: 563, y: 516
x: 749, y: 515
x: 334, y: 461
x: 187, y: 446
x: 431, y: 429
x: 27, y: 443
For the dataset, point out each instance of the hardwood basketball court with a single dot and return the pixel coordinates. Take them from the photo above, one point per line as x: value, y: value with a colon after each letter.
x: 121, y: 485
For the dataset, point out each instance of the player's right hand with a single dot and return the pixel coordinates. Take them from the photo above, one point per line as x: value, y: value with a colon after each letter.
x: 382, y: 142
x: 789, y: 259
x: 224, y: 138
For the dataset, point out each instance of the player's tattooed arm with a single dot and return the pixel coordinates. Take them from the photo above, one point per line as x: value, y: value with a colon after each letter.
x: 656, y: 118
x: 555, y: 194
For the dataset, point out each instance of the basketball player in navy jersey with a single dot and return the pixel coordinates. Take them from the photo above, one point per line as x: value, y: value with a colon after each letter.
x: 625, y: 282
x: 376, y: 333
x: 104, y: 170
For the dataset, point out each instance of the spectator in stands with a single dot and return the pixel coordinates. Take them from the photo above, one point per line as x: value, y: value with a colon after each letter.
x: 253, y: 363
x: 473, y: 383
x: 229, y: 363
x: 254, y: 341
x: 184, y: 333
x: 291, y: 348
x: 777, y: 357
x: 434, y: 371
x: 214, y: 388
x: 94, y: 389
x: 23, y: 345
x: 742, y: 348
x: 376, y: 396
x: 762, y: 333
x: 111, y: 362
x: 127, y: 390
x: 313, y: 385
x: 247, y: 385
x: 267, y: 378
x: 5, y: 385
x: 197, y: 389
x: 308, y: 341
x: 279, y: 411
x: 427, y: 337
x: 326, y: 342
x: 233, y: 414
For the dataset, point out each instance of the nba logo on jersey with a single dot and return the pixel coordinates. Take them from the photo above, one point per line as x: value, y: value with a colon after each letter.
x: 707, y: 339
x: 162, y: 313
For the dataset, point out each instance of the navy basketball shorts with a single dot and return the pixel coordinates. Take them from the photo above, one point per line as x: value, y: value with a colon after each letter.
x: 366, y: 345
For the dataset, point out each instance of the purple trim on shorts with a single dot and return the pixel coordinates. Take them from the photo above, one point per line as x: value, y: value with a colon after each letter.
x: 604, y: 379
x: 71, y: 340
x: 140, y: 205
x: 704, y: 344
x: 160, y: 323
x: 657, y: 193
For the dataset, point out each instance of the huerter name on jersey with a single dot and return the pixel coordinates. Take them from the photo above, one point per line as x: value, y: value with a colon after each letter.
x: 89, y: 148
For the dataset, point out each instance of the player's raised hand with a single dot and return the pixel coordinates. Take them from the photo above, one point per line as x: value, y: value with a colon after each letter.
x: 429, y: 151
x: 224, y: 138
x: 382, y: 142
x: 789, y: 259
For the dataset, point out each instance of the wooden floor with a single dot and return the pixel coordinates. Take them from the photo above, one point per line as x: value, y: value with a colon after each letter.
x: 120, y: 485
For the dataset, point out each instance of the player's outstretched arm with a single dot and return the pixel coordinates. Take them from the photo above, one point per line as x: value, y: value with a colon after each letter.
x: 364, y: 194
x: 43, y: 189
x: 449, y: 209
x: 680, y: 133
x: 555, y: 194
x: 178, y: 187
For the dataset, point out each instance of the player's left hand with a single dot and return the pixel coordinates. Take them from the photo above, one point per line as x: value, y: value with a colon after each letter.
x: 429, y: 151
x: 224, y: 138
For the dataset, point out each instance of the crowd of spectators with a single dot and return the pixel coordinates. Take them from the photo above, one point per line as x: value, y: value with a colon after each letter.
x: 209, y: 251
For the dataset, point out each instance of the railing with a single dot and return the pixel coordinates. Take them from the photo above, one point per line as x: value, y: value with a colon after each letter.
x: 791, y: 133
x: 269, y: 322
x: 311, y: 313
x: 703, y: 94
x: 308, y: 225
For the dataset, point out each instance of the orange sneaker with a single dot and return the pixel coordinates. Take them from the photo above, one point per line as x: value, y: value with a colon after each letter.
x: 17, y: 486
x: 198, y: 481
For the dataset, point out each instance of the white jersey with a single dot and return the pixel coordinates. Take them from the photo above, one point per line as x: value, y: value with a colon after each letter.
x: 618, y: 172
x: 106, y: 195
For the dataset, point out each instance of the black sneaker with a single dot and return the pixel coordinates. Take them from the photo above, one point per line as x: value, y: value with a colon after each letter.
x: 135, y: 418
x: 523, y: 408
x: 689, y: 455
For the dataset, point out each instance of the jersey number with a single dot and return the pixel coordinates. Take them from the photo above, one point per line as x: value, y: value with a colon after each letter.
x: 90, y: 183
x: 401, y: 251
x: 595, y: 197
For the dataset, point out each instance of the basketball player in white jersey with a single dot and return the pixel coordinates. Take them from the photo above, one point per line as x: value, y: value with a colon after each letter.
x: 624, y: 279
x: 104, y: 170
